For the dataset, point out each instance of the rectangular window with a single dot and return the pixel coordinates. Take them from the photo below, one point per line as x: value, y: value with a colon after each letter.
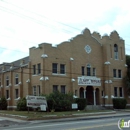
x: 119, y: 73
x: 116, y: 55
x: 16, y: 80
x: 34, y: 69
x: 63, y: 89
x: 16, y: 93
x: 7, y: 82
x: 7, y: 94
x: 39, y: 68
x: 34, y: 91
x: 54, y: 68
x: 82, y: 70
x: 88, y: 71
x: 62, y: 69
x: 114, y: 73
x: 75, y: 92
x: 94, y: 72
x: 55, y: 88
x: 120, y: 92
x: 39, y: 90
x: 115, y: 91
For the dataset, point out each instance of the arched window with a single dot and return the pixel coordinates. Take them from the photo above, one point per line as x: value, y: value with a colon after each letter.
x: 7, y: 80
x: 115, y: 51
x: 88, y: 70
x: 16, y: 79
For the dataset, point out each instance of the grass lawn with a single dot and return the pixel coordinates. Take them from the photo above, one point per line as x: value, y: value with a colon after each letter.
x: 38, y: 114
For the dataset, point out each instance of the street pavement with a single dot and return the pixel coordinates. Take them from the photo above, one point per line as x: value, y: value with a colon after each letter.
x: 10, y: 121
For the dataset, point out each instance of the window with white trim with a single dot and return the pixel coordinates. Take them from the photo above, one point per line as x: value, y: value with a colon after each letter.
x: 82, y: 70
x: 115, y: 92
x: 7, y: 80
x: 94, y: 72
x: 88, y: 70
x: 39, y: 68
x: 62, y: 68
x: 7, y: 94
x: 39, y: 90
x: 54, y: 68
x: 115, y: 51
x: 63, y: 89
x: 119, y: 73
x: 114, y: 73
x: 16, y: 93
x: 34, y: 69
x: 120, y: 92
x: 34, y: 91
x: 55, y: 88
x: 16, y: 79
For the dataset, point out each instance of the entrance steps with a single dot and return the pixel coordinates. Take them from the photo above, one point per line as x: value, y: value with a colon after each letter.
x: 96, y: 107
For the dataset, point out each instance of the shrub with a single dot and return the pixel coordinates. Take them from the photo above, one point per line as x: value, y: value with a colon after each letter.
x: 119, y: 103
x: 21, y: 105
x: 59, y: 102
x: 82, y: 102
x: 3, y: 103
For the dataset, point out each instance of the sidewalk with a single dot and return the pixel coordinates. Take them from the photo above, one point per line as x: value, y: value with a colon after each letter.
x: 12, y: 120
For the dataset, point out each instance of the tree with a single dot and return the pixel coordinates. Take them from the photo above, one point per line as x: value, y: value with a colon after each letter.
x: 21, y: 105
x: 3, y: 103
x: 127, y: 78
x: 59, y: 102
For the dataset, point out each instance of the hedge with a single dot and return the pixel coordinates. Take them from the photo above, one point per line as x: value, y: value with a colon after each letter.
x: 119, y: 103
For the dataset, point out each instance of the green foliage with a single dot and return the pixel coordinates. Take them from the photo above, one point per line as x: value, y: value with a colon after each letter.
x: 128, y: 60
x: 119, y: 103
x: 127, y: 78
x: 21, y: 105
x: 127, y: 83
x: 59, y: 102
x: 82, y: 102
x: 3, y: 103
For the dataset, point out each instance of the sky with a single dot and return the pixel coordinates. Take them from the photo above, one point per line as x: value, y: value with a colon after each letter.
x: 27, y: 23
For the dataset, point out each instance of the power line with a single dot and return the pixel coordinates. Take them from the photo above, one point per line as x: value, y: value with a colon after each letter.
x: 42, y: 16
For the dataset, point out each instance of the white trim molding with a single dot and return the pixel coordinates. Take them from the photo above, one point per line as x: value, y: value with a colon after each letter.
x: 44, y: 55
x: 73, y: 80
x: 28, y: 81
x: 107, y: 63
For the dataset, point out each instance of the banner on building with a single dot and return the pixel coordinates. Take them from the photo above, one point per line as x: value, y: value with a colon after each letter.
x: 36, y: 101
x: 89, y: 80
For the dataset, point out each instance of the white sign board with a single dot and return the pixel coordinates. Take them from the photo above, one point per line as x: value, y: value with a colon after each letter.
x: 43, y: 107
x: 36, y: 101
x: 89, y: 80
x: 74, y: 106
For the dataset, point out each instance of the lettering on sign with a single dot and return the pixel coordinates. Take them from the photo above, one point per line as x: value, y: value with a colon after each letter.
x: 89, y: 80
x: 36, y: 101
